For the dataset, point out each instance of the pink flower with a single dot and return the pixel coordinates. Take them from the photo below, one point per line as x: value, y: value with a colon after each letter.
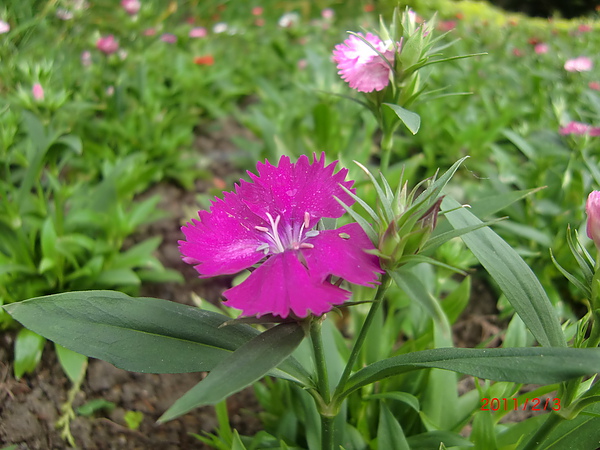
x: 541, y: 48
x: 447, y: 25
x: 150, y: 32
x: 198, y: 32
x: 328, y: 14
x: 131, y: 7
x: 4, y: 27
x: 592, y: 208
x: 584, y: 28
x: 64, y: 14
x: 38, y: 92
x: 257, y: 11
x: 169, y: 38
x: 272, y: 220
x: 107, y: 45
x: 360, y: 66
x: 580, y: 64
x: 594, y: 85
x: 579, y: 128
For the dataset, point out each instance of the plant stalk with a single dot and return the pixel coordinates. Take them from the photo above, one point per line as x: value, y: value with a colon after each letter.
x: 387, y: 142
x: 319, y: 355
x: 385, y: 283
x: 552, y: 421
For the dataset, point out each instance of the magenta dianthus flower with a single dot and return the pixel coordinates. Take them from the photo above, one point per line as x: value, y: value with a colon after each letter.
x: 272, y: 219
x: 361, y: 66
x: 592, y: 208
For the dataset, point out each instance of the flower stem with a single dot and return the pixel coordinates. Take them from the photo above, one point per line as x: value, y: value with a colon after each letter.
x: 319, y: 354
x: 327, y: 432
x: 385, y: 283
x: 387, y: 141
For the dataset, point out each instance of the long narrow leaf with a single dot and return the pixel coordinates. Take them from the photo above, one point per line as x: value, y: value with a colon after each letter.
x: 138, y: 334
x: 522, y: 289
x: 532, y: 365
x: 247, y: 364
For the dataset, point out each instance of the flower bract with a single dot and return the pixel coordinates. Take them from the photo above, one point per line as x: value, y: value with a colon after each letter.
x: 361, y: 66
x: 271, y: 221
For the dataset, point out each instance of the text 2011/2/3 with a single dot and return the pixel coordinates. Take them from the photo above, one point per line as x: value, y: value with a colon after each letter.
x: 535, y: 404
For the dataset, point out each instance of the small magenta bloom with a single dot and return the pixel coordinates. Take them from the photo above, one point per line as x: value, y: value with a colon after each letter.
x: 592, y: 208
x: 37, y: 91
x: 541, y: 48
x: 580, y: 64
x: 107, y: 45
x: 131, y: 7
x: 272, y: 220
x: 360, y: 66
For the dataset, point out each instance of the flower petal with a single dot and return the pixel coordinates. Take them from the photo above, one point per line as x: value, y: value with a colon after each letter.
x: 282, y: 286
x: 342, y: 253
x: 293, y: 189
x: 224, y: 240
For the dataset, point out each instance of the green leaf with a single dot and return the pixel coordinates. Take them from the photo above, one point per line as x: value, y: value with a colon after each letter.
x: 581, y: 432
x: 513, y: 275
x: 435, y: 440
x: 138, y: 334
x: 403, y: 397
x: 532, y: 365
x: 410, y: 119
x: 389, y: 431
x: 74, y: 364
x: 92, y: 406
x: 237, y: 443
x: 247, y: 364
x: 483, y: 434
x: 28, y: 350
x: 133, y: 419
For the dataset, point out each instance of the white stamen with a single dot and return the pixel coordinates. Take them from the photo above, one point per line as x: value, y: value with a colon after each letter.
x: 306, y: 219
x: 311, y: 233
x: 306, y: 245
x: 259, y: 228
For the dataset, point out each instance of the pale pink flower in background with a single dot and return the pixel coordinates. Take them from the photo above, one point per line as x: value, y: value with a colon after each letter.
x: 150, y: 32
x: 198, y: 32
x: 541, y: 48
x: 122, y: 54
x: 257, y: 11
x: 107, y: 44
x: 260, y: 22
x: 361, y: 66
x: 4, y: 27
x: 580, y: 64
x: 592, y: 208
x: 38, y: 92
x: 131, y: 7
x: 64, y: 14
x: 594, y: 85
x: 579, y: 128
x: 584, y: 28
x: 110, y: 91
x: 302, y: 64
x: 517, y: 52
x: 86, y: 58
x: 328, y: 14
x: 168, y: 38
x: 446, y: 25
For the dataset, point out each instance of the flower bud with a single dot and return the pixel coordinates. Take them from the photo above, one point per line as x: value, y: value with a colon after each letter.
x: 592, y: 208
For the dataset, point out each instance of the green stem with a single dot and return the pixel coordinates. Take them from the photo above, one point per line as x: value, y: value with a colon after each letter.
x: 552, y: 421
x: 387, y: 142
x: 319, y: 354
x: 385, y: 282
x: 327, y: 432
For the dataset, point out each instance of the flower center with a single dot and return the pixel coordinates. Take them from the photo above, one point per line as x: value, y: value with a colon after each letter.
x: 291, y: 237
